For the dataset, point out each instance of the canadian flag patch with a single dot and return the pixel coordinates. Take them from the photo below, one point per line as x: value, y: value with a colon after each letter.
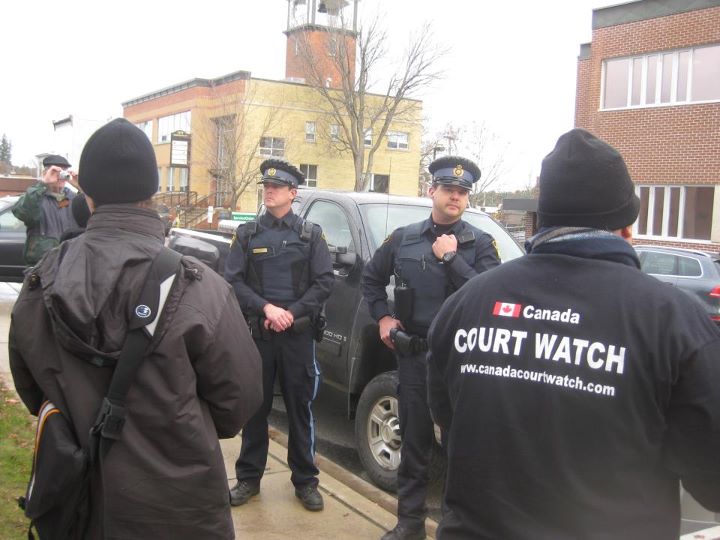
x: 504, y: 309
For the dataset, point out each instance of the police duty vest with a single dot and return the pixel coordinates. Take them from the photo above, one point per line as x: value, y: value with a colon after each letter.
x: 418, y: 268
x: 278, y: 260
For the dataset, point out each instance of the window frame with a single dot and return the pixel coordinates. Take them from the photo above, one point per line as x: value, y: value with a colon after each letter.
x: 270, y: 151
x: 310, y: 131
x: 368, y: 137
x: 305, y: 168
x: 675, y: 74
x: 393, y: 135
x: 180, y: 121
x: 665, y: 225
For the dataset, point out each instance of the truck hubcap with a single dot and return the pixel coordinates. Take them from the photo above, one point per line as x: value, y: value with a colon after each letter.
x: 384, y: 433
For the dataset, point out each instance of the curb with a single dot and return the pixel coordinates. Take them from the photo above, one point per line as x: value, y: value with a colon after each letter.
x: 381, y: 498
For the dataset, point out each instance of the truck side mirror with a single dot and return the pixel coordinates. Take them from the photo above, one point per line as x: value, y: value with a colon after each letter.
x: 341, y: 257
x: 203, y: 251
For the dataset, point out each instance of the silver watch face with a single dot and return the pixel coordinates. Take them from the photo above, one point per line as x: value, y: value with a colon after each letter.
x: 449, y: 256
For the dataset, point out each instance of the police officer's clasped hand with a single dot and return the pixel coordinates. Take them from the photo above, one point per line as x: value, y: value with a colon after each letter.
x: 386, y: 324
x: 277, y: 318
x: 443, y: 244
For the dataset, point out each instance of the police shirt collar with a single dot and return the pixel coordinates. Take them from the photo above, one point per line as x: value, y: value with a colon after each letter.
x: 428, y: 225
x: 269, y: 220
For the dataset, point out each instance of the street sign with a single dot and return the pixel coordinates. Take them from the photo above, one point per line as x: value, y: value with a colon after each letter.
x: 243, y: 216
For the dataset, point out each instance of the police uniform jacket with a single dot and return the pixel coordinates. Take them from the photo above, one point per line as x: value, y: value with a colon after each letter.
x: 407, y: 253
x: 165, y: 477
x: 577, y: 391
x: 275, y: 262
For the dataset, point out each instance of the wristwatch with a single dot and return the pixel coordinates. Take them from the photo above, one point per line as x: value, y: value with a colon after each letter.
x: 448, y: 257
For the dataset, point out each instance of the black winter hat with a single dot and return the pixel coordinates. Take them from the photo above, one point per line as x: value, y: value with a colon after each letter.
x: 584, y: 183
x: 118, y: 165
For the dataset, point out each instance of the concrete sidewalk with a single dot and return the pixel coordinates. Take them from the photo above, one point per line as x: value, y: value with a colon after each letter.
x: 353, y: 507
x: 277, y: 513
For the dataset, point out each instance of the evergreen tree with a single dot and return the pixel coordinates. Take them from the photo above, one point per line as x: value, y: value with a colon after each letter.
x: 5, y: 150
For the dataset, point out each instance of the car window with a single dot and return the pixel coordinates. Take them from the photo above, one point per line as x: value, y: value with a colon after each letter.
x: 688, y: 267
x: 662, y: 264
x: 334, y: 223
x: 8, y: 222
x: 382, y: 219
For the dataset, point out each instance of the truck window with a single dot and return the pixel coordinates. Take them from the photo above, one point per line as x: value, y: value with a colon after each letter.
x: 334, y: 223
x: 382, y: 219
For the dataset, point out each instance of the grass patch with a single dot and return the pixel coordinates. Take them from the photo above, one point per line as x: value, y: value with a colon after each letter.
x: 16, y: 443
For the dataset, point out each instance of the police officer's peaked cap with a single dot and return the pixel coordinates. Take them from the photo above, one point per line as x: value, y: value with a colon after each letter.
x: 280, y: 172
x: 56, y: 160
x: 454, y: 171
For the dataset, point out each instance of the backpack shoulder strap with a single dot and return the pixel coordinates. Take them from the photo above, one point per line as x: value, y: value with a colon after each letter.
x: 152, y: 299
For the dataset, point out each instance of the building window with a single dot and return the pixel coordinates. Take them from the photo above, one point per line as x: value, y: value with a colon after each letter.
x: 380, y: 183
x: 169, y: 124
x: 146, y: 128
x: 272, y: 146
x: 309, y: 131
x: 397, y: 140
x: 310, y: 172
x: 178, y: 179
x: 225, y: 129
x: 334, y: 132
x: 682, y: 76
x: 678, y: 212
x: 368, y: 137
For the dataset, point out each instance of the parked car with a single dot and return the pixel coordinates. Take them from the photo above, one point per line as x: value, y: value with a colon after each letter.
x: 694, y: 272
x: 351, y: 355
x: 12, y: 241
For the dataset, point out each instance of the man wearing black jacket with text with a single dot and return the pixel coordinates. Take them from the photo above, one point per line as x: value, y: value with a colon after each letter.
x: 577, y: 390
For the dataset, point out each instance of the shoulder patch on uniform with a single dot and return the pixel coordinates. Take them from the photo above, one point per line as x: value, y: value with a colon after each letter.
x: 494, y: 244
x: 233, y: 239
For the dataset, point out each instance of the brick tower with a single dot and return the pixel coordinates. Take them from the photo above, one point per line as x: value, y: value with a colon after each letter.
x: 321, y: 41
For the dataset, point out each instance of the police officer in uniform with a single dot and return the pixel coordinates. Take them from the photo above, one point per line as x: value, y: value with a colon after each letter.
x: 430, y: 260
x: 577, y: 390
x: 281, y: 270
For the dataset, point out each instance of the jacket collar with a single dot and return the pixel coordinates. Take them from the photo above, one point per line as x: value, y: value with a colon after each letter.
x: 583, y: 242
x: 127, y: 217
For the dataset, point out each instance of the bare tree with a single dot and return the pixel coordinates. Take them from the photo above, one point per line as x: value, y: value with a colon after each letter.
x: 478, y: 142
x: 362, y: 117
x: 230, y: 144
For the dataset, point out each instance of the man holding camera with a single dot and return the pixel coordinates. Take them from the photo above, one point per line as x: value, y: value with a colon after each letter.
x: 430, y: 260
x: 45, y: 209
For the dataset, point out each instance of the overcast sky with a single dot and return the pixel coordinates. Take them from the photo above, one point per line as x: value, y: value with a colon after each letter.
x: 511, y: 65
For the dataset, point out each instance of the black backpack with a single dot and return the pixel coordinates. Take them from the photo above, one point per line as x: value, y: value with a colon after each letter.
x: 57, y: 497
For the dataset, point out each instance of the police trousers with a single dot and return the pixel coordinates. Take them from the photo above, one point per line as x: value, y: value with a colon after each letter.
x: 417, y: 432
x: 290, y: 358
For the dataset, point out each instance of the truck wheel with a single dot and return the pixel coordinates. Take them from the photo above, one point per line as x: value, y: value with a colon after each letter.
x: 377, y: 430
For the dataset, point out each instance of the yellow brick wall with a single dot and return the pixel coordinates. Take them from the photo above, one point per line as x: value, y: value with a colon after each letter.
x: 280, y: 109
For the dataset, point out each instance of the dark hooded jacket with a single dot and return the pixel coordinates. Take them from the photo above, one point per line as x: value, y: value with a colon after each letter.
x: 165, y: 477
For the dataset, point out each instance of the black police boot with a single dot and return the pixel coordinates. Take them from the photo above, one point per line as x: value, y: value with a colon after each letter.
x: 404, y: 531
x: 242, y: 492
x: 310, y: 498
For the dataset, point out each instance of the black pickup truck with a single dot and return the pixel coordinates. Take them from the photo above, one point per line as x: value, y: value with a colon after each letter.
x: 351, y: 355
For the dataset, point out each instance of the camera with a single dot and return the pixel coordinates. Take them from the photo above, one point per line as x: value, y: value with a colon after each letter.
x: 64, y: 175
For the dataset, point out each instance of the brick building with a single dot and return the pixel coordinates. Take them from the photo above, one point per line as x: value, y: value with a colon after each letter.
x: 235, y: 121
x: 649, y: 84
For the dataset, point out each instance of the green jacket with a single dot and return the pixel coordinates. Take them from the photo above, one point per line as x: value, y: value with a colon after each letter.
x: 46, y: 215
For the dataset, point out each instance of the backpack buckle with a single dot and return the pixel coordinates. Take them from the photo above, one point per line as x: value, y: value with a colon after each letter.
x: 110, y: 420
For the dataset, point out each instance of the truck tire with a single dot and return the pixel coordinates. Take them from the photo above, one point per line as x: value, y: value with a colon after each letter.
x: 377, y: 430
